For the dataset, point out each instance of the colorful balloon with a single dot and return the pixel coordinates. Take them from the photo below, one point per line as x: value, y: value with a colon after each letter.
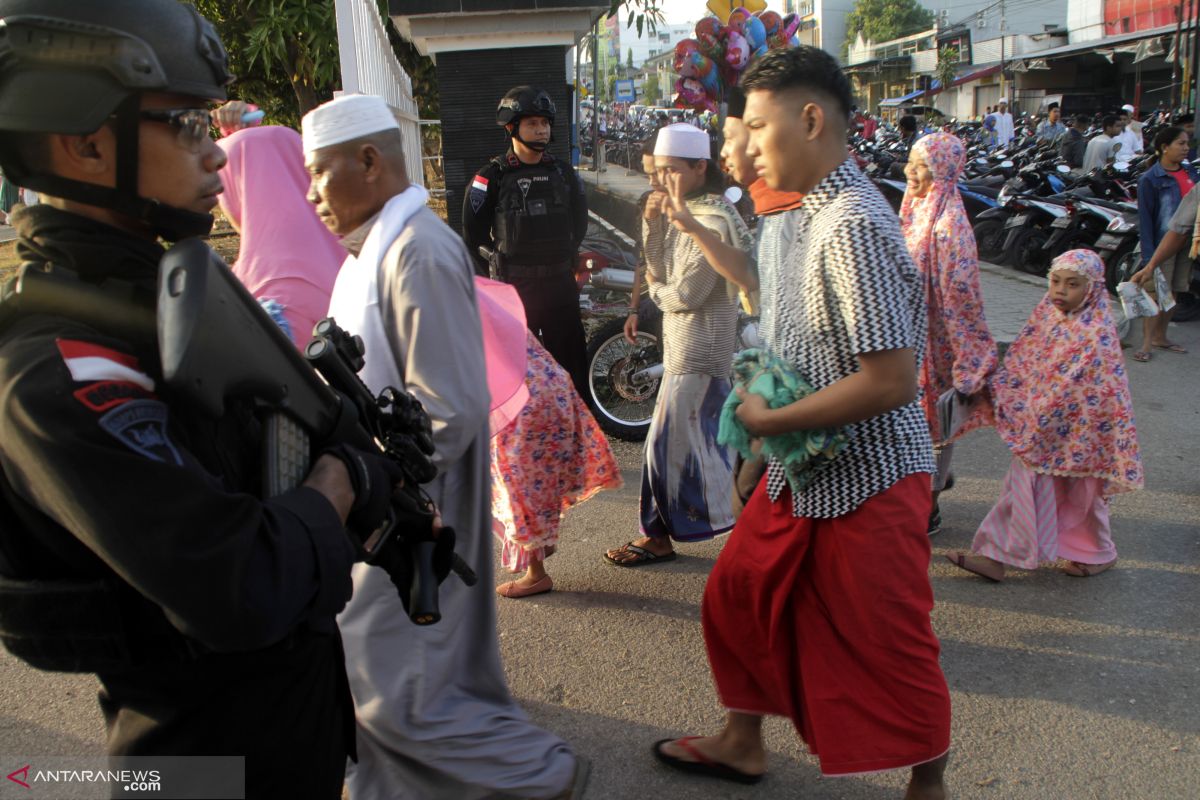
x: 690, y: 93
x: 737, y: 51
x: 683, y: 53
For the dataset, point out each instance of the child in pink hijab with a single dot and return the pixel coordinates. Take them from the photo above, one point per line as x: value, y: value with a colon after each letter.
x: 960, y: 353
x: 288, y: 259
x: 1063, y: 408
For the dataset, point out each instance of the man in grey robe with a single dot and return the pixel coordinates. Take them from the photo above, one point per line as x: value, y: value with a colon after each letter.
x: 435, y: 717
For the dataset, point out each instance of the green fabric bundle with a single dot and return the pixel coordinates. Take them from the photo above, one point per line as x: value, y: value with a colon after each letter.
x: 802, y: 453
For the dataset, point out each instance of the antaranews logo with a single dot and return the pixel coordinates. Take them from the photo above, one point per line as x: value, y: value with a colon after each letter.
x: 24, y: 773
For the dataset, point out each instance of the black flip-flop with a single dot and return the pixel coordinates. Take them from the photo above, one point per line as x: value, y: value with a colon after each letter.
x: 702, y: 765
x: 644, y: 557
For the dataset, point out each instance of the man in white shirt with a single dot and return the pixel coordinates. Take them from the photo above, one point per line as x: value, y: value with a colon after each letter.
x: 1100, y: 147
x: 1130, y: 136
x: 1004, y: 123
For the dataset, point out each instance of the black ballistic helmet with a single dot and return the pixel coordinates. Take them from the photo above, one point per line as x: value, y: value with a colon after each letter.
x: 525, y: 101
x: 67, y: 66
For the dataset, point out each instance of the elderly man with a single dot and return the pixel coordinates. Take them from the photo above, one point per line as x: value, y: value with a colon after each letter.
x: 435, y: 718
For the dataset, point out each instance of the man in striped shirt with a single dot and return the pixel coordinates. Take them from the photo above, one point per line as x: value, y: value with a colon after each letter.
x: 818, y: 607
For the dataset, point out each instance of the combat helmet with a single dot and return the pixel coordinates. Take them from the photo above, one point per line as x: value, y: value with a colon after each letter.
x: 67, y: 67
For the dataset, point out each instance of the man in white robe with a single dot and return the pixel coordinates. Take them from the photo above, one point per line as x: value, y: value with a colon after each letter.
x: 1004, y: 123
x: 435, y: 717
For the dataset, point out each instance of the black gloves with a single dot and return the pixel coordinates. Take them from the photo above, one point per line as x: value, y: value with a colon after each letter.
x: 374, y: 478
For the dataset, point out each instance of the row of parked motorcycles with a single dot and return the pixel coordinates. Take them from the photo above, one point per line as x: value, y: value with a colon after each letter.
x: 1027, y: 206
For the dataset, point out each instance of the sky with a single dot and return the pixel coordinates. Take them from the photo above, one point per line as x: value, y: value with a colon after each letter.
x: 683, y: 10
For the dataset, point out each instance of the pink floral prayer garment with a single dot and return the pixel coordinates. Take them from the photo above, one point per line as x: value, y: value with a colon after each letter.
x: 961, y: 352
x: 1062, y: 398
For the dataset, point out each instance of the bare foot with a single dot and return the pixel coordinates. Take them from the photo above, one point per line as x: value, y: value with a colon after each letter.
x: 980, y: 565
x: 744, y: 756
x: 659, y: 547
x: 926, y: 782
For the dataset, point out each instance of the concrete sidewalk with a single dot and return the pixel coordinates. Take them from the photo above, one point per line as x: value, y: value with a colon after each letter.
x: 1009, y: 296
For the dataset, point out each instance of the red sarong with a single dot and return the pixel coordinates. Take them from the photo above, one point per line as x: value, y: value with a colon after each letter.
x: 826, y: 622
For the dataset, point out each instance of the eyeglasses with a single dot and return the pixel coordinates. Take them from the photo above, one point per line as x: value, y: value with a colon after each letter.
x: 193, y: 124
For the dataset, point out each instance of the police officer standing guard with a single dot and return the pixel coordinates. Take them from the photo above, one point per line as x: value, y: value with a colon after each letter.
x: 131, y: 541
x: 529, y: 210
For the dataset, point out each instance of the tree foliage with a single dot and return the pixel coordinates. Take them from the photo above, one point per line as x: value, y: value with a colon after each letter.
x: 644, y: 14
x: 881, y: 20
x: 650, y: 90
x: 947, y: 66
x: 285, y: 54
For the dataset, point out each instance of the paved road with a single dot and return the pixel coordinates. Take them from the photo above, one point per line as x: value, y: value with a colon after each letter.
x: 1062, y: 688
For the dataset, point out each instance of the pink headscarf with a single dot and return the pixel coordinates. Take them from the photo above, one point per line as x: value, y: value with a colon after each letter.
x: 504, y: 342
x: 1062, y: 399
x: 287, y: 254
x: 960, y: 353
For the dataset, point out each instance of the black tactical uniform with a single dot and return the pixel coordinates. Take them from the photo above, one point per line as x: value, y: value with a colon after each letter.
x: 132, y: 542
x: 533, y: 217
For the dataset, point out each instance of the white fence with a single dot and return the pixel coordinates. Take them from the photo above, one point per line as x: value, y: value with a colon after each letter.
x: 370, y: 67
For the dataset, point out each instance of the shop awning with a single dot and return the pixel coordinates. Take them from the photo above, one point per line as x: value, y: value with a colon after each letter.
x: 896, y: 101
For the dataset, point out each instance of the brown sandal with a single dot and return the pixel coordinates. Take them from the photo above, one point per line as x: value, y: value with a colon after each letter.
x: 1078, y: 570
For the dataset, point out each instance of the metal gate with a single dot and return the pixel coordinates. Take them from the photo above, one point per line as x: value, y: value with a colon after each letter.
x: 370, y: 67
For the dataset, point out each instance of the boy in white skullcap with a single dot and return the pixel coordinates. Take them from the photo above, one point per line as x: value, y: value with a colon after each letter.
x: 435, y: 718
x: 687, y: 478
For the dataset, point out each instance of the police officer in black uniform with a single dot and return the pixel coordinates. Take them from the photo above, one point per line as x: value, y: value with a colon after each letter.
x: 132, y: 544
x: 529, y: 210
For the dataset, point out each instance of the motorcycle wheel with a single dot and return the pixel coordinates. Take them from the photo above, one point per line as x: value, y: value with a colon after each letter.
x: 1121, y: 264
x: 1029, y: 253
x: 989, y: 238
x: 622, y: 408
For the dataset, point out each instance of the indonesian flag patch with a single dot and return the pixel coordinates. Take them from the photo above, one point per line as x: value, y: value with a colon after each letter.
x: 90, y: 362
x: 477, y: 194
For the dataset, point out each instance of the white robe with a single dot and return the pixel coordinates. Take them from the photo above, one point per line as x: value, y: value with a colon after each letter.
x: 435, y: 717
x: 1004, y: 128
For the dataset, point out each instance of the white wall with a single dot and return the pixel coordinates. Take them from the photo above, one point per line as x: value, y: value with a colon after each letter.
x: 1085, y: 19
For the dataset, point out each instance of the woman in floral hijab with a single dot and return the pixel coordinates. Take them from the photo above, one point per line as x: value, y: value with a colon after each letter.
x: 1063, y: 408
x: 960, y: 353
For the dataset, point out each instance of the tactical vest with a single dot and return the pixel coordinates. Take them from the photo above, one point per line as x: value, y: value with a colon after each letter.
x: 533, y: 225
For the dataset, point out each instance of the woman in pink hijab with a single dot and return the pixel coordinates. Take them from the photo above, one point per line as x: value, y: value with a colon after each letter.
x: 548, y: 453
x: 960, y: 352
x: 288, y: 259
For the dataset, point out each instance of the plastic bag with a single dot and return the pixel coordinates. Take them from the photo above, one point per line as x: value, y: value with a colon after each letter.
x: 1166, y: 298
x: 1136, y: 301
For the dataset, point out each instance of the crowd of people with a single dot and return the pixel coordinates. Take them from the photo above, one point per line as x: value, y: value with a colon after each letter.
x: 269, y: 627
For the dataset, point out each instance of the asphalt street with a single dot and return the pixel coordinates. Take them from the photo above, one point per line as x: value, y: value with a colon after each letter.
x: 1062, y: 687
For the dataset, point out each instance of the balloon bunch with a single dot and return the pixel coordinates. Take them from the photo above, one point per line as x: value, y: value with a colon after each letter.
x: 724, y: 45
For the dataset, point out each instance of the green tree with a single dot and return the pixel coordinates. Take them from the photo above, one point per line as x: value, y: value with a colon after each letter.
x: 881, y: 20
x: 947, y: 66
x: 629, y: 59
x: 650, y: 89
x: 285, y: 54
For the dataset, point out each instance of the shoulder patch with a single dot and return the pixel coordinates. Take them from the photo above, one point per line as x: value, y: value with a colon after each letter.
x: 141, y: 425
x: 91, y: 362
x: 103, y: 395
x: 477, y: 195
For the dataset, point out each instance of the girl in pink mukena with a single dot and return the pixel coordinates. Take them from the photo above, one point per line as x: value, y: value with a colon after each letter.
x: 960, y: 353
x: 1063, y: 408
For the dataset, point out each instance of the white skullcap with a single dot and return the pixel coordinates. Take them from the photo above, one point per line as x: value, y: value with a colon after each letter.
x: 344, y: 119
x: 1127, y: 107
x: 1002, y: 101
x: 682, y: 140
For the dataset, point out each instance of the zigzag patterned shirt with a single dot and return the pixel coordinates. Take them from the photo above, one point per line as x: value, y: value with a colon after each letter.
x: 846, y: 286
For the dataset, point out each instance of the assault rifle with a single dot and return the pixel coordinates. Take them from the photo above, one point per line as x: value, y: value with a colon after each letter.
x: 217, y: 344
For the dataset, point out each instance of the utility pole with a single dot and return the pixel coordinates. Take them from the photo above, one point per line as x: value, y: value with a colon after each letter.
x: 1195, y: 10
x: 1176, y: 77
x: 596, y: 98
x: 1002, y: 28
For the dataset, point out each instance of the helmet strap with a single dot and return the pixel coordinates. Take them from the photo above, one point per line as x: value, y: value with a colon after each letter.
x: 539, y: 147
x: 172, y: 224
